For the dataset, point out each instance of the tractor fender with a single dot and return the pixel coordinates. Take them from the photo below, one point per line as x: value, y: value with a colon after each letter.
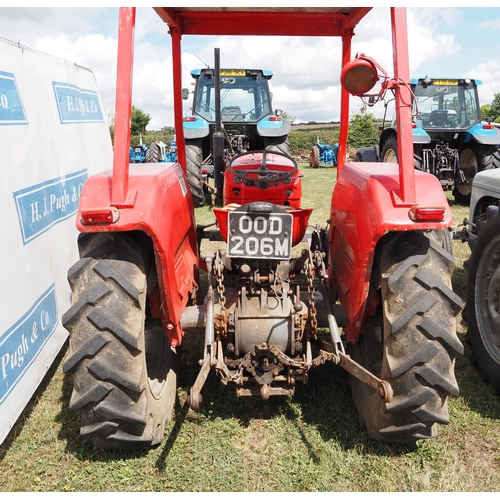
x: 195, y: 128
x: 485, y: 191
x: 367, y: 155
x: 269, y: 127
x: 482, y: 135
x: 160, y: 205
x: 366, y: 206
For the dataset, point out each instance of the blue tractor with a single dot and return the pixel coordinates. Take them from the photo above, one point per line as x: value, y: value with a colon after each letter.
x: 449, y: 139
x: 230, y: 117
x: 138, y: 154
x: 323, y: 154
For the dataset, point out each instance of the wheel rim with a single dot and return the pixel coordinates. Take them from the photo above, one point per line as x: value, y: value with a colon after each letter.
x: 390, y: 156
x: 488, y: 292
x: 467, y: 161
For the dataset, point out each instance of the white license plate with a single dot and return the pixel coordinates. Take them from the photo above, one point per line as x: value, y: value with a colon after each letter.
x: 259, y: 235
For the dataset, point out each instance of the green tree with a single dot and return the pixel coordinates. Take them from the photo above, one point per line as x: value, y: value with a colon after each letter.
x: 362, y: 131
x: 486, y: 112
x: 495, y: 108
x: 140, y: 121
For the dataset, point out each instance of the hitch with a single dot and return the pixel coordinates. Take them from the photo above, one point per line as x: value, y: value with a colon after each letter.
x: 383, y: 387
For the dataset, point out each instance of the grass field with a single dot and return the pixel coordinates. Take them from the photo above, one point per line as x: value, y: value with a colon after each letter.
x: 311, y: 442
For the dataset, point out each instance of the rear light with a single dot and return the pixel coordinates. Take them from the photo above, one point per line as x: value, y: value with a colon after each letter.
x: 189, y: 118
x: 99, y: 216
x: 413, y: 125
x: 275, y: 118
x: 488, y: 126
x: 426, y: 214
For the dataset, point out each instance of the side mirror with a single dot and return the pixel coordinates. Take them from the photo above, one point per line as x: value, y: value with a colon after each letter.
x: 359, y: 76
x: 185, y: 94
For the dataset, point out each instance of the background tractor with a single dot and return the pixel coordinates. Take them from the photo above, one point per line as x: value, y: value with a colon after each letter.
x: 482, y: 309
x: 247, y: 122
x: 376, y: 276
x: 323, y: 154
x: 449, y: 139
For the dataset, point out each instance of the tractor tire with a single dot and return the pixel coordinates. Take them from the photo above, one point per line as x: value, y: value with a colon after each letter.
x: 152, y: 153
x: 314, y: 159
x: 280, y: 144
x: 416, y: 346
x: 194, y: 175
x: 124, y: 370
x: 390, y: 150
x: 482, y: 299
x: 390, y: 153
x: 474, y: 159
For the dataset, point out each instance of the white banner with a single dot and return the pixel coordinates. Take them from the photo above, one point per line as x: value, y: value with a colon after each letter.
x: 53, y: 136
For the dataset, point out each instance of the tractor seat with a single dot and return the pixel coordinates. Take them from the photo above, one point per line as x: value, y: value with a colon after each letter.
x: 231, y: 114
x: 438, y: 118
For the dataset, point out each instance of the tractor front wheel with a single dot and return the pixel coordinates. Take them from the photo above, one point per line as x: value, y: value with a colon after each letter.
x: 124, y: 370
x: 415, y: 347
x: 483, y: 297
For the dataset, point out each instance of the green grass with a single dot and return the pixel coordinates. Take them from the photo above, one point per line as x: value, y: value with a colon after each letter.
x: 311, y: 442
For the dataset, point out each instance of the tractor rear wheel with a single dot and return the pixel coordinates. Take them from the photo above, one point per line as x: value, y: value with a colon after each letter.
x: 474, y: 159
x: 153, y: 153
x: 124, y: 370
x: 315, y: 158
x: 280, y: 144
x: 416, y: 346
x: 390, y: 150
x: 483, y: 294
x: 194, y: 160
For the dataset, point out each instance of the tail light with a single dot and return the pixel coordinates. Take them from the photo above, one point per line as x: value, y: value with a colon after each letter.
x: 427, y: 214
x: 275, y: 118
x: 106, y: 215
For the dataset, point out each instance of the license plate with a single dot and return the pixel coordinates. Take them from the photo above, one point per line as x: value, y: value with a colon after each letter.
x: 259, y: 236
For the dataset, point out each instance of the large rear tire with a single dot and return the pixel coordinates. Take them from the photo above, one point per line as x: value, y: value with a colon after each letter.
x: 279, y: 144
x: 315, y: 158
x: 390, y: 150
x: 124, y: 371
x: 483, y: 297
x: 194, y: 160
x: 474, y: 159
x: 152, y: 153
x: 416, y: 346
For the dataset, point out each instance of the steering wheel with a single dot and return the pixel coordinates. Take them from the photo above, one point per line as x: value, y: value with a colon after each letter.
x: 264, y: 173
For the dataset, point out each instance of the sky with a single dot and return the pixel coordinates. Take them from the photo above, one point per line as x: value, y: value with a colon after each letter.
x: 444, y: 42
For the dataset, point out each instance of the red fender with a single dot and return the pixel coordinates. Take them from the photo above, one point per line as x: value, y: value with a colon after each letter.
x: 365, y: 206
x: 160, y: 205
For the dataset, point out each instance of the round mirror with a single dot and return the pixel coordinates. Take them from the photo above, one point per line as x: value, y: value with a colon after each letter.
x: 359, y: 76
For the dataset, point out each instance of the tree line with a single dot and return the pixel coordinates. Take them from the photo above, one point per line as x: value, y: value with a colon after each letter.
x: 363, y: 132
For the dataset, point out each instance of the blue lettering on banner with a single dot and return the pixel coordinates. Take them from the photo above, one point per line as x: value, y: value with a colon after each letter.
x: 41, y: 206
x: 77, y: 105
x: 11, y: 106
x: 23, y: 342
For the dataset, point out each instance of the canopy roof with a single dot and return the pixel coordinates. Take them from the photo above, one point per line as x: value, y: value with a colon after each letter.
x: 284, y: 21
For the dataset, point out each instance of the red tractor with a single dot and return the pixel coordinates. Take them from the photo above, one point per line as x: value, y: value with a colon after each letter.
x: 379, y: 272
